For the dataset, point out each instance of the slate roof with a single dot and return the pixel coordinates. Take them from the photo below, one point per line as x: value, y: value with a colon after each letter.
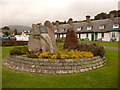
x: 108, y: 26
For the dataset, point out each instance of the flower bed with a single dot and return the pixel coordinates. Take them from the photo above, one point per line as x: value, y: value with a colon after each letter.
x: 62, y: 62
x: 66, y: 54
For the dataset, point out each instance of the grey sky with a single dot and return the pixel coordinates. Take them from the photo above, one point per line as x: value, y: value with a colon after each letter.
x: 26, y: 12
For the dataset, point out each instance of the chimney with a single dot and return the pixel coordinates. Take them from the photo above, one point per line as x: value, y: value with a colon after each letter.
x: 70, y: 21
x: 57, y: 22
x: 111, y: 15
x: 87, y: 18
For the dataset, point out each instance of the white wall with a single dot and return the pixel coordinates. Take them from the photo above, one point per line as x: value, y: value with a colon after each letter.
x: 106, y: 37
x: 77, y: 35
x: 64, y: 35
x: 99, y: 35
x: 55, y: 35
x: 60, y: 35
x: 83, y: 36
x: 89, y: 36
x: 117, y: 35
x: 22, y: 38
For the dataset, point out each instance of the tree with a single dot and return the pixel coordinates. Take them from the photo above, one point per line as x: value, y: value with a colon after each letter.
x: 5, y: 28
x: 116, y: 13
x: 15, y: 31
x: 6, y: 33
x: 54, y: 23
x: 101, y: 16
x: 19, y: 33
x: 64, y: 22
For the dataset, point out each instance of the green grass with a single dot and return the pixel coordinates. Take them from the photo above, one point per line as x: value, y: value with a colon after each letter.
x: 105, y: 77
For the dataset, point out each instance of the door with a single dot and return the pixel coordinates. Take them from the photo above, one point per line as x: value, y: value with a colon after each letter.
x: 92, y: 36
x: 96, y: 36
x: 58, y: 35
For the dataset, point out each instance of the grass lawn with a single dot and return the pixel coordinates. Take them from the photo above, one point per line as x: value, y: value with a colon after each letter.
x: 105, y: 77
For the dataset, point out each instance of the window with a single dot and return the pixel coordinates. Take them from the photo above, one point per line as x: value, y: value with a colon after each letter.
x: 79, y: 28
x: 89, y: 27
x: 102, y: 35
x: 56, y: 30
x: 101, y: 26
x: 116, y: 26
x: 113, y: 34
x: 64, y: 29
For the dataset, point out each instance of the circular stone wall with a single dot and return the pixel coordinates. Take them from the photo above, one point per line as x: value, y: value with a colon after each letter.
x: 53, y: 66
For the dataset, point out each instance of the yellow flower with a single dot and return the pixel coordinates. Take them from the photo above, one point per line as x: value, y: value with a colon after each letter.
x: 54, y: 56
x: 64, y: 56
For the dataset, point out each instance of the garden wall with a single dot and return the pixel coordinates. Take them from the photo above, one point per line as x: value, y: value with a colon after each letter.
x: 53, y: 66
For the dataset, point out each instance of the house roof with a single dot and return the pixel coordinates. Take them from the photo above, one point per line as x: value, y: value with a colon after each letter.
x: 108, y: 26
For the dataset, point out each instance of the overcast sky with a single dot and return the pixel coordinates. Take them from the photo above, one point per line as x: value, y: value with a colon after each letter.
x: 27, y: 12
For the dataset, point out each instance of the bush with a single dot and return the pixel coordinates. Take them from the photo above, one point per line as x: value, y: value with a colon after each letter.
x: 13, y: 43
x: 96, y: 49
x: 16, y: 51
x: 32, y: 55
x: 86, y: 39
x: 19, y: 51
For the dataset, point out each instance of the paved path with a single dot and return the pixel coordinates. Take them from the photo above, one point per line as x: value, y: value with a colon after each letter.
x: 114, y: 48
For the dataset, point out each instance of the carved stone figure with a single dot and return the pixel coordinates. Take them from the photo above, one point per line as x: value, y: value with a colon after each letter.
x: 40, y: 39
x: 51, y: 34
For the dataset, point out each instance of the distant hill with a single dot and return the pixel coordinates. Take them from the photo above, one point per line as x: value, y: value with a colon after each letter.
x: 19, y: 27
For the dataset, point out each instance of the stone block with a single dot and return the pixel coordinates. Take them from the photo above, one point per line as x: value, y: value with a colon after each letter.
x: 73, y: 67
x: 58, y: 71
x: 76, y: 71
x: 82, y: 70
x: 63, y: 71
x: 67, y: 67
x: 90, y: 68
x: 70, y: 71
x: 94, y: 67
x: 86, y: 69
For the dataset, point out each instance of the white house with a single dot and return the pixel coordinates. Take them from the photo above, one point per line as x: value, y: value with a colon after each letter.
x: 104, y: 30
x: 1, y: 33
x: 22, y: 37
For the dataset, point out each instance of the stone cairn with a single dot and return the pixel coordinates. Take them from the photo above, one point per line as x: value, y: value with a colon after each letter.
x: 71, y: 39
x: 42, y: 38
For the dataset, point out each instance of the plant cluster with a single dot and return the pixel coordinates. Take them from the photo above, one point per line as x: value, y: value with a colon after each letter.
x: 72, y: 54
x: 19, y: 51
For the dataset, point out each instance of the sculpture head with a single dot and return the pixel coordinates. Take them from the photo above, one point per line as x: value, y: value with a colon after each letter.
x: 49, y: 25
x: 43, y: 30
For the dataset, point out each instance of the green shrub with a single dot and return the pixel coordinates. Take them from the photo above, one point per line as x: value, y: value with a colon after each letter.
x: 96, y: 49
x: 32, y: 55
x: 16, y: 52
x: 19, y: 51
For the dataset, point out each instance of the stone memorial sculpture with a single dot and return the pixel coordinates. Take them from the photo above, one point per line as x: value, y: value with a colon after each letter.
x: 40, y: 39
x: 71, y: 39
x: 51, y: 34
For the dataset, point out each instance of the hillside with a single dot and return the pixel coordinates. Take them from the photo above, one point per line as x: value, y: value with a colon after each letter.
x: 19, y: 27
